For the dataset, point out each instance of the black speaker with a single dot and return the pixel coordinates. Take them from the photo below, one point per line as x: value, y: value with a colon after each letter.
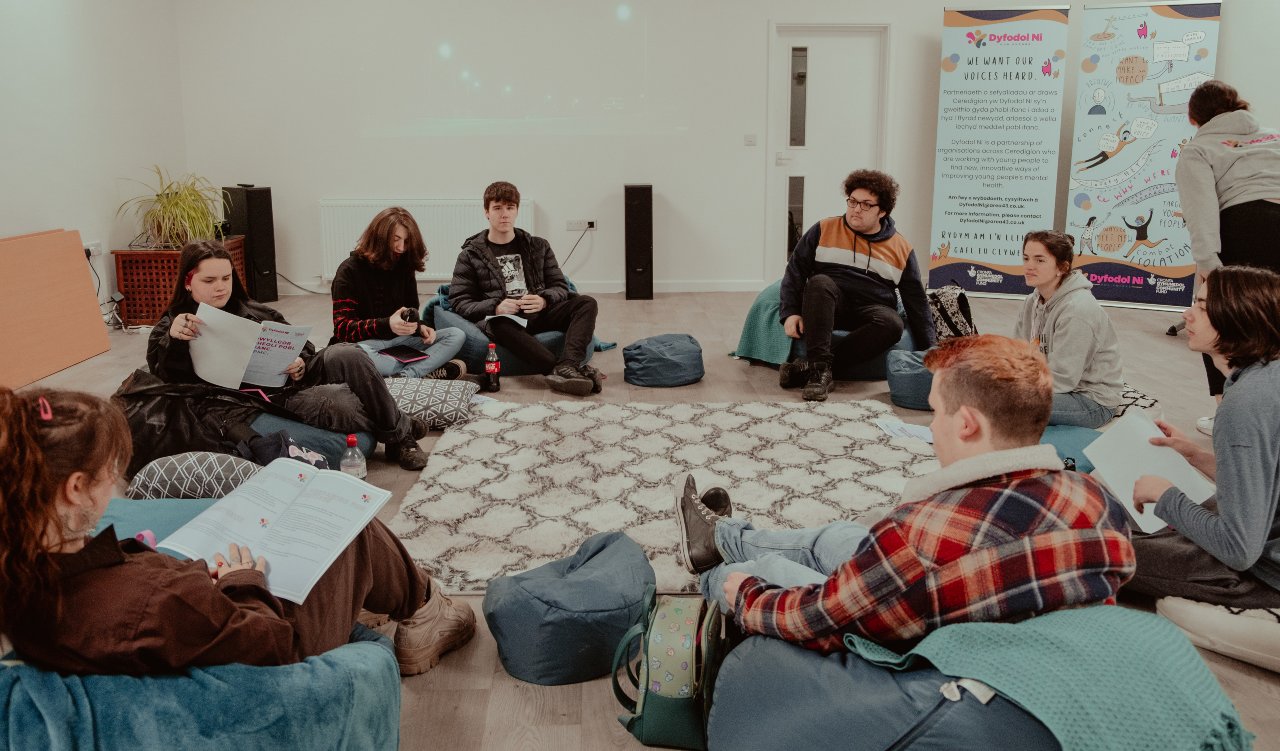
x: 638, y: 201
x: 249, y: 214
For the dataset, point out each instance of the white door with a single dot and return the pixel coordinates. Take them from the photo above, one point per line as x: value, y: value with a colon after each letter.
x: 827, y: 114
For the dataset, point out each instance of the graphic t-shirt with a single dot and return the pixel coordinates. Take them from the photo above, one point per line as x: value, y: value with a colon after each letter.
x: 511, y: 259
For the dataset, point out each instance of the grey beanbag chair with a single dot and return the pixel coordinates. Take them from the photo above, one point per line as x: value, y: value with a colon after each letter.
x: 664, y: 360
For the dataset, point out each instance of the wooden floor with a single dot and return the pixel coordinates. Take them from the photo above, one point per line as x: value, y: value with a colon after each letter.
x: 469, y: 702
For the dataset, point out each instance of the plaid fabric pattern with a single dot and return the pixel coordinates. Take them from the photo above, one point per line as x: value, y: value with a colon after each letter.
x: 1001, y: 549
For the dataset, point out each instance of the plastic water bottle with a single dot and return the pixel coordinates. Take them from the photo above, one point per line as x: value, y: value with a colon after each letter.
x: 352, y: 461
x: 492, y: 369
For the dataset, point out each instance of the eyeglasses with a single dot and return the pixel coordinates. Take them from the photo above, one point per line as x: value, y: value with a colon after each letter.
x: 854, y: 203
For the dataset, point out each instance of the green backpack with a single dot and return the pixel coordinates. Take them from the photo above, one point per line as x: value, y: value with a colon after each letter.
x: 681, y: 647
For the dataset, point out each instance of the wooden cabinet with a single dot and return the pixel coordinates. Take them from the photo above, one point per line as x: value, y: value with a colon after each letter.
x: 147, y: 279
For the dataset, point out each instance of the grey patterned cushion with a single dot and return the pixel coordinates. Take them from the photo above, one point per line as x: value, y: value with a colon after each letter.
x: 440, y: 403
x: 195, y: 474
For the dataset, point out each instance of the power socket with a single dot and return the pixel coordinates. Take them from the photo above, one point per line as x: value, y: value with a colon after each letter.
x: 580, y: 225
x: 92, y: 249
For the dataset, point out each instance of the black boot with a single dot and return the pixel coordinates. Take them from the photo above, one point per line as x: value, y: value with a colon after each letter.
x: 793, y: 374
x: 819, y: 384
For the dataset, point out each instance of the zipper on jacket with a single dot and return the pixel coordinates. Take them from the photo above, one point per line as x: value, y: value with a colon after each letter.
x: 950, y: 693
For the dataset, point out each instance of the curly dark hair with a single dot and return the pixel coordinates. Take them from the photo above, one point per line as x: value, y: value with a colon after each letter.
x: 884, y: 186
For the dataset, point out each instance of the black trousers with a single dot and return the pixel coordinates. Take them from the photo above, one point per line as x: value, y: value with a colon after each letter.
x: 342, y: 390
x: 873, y: 328
x: 1249, y: 232
x: 576, y: 317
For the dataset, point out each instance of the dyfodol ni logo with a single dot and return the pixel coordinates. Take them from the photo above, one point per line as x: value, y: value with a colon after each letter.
x: 979, y: 38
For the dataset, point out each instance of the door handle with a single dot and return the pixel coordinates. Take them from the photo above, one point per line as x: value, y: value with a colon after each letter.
x: 781, y: 159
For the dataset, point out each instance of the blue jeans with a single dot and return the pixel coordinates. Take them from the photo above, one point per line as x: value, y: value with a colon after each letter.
x: 785, y: 557
x: 439, y: 352
x: 1077, y: 409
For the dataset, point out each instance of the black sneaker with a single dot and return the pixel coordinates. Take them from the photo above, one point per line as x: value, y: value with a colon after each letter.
x: 717, y: 499
x: 565, y: 379
x: 698, y: 551
x: 819, y: 384
x: 450, y: 371
x: 419, y: 426
x: 793, y: 374
x: 597, y: 378
x: 407, y: 454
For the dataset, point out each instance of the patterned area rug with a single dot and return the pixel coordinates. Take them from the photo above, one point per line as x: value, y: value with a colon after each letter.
x: 523, y: 484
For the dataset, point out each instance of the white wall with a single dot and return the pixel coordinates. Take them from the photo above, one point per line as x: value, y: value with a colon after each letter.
x: 89, y: 97
x: 327, y: 99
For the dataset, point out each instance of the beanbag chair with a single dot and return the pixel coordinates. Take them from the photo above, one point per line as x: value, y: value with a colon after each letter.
x: 1070, y: 441
x: 909, y: 380
x: 322, y: 441
x: 664, y: 360
x: 560, y: 623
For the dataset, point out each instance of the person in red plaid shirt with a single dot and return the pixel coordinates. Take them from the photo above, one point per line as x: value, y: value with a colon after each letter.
x: 1000, y: 533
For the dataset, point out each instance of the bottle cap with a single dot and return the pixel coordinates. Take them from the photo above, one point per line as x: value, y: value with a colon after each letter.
x: 351, y: 440
x: 492, y: 345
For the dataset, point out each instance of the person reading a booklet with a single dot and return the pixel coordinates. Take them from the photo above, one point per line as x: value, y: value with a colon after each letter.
x: 373, y: 291
x: 1000, y: 533
x: 1227, y: 550
x: 337, y: 388
x: 79, y: 604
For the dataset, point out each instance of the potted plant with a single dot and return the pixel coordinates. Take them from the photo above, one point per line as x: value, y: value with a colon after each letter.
x: 175, y: 211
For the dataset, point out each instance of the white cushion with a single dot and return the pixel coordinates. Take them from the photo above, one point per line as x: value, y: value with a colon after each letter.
x: 440, y: 403
x: 195, y: 474
x: 1249, y: 635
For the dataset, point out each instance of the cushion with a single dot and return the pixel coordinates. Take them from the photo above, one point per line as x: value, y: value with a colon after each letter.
x: 662, y: 361
x: 322, y: 441
x: 195, y: 474
x: 1251, y: 635
x: 772, y: 694
x: 559, y: 623
x: 130, y: 516
x: 909, y: 380
x: 440, y: 403
x: 1070, y: 440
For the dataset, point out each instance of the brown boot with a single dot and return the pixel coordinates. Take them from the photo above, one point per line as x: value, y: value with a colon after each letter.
x: 439, y: 626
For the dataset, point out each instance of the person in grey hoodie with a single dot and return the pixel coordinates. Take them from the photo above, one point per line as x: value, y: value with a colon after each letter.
x: 1071, y: 329
x: 1228, y: 179
x: 1225, y: 551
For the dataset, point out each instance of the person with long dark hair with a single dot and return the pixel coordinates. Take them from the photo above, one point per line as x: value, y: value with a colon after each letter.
x: 206, y: 275
x: 1228, y: 179
x: 375, y: 301
x: 83, y: 604
x: 1227, y: 550
x: 1064, y: 321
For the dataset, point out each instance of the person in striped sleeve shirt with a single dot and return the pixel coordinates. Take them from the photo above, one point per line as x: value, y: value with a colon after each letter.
x: 1000, y: 533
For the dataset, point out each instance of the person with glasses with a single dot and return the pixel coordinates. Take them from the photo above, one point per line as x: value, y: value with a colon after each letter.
x: 846, y: 273
x: 1225, y: 551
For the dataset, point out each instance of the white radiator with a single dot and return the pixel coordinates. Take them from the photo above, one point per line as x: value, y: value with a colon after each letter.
x: 445, y: 224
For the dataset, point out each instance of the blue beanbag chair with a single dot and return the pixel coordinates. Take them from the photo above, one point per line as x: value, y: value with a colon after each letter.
x: 772, y: 694
x: 909, y: 380
x: 662, y: 361
x: 325, y: 442
x: 560, y: 623
x: 1070, y: 440
x: 476, y: 346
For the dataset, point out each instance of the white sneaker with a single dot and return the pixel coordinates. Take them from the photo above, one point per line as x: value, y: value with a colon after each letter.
x: 1205, y: 425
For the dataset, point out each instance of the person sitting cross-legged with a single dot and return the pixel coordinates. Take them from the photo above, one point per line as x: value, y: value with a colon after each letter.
x: 1000, y: 533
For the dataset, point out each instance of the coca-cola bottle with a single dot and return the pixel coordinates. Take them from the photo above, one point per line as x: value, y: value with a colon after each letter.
x: 492, y: 369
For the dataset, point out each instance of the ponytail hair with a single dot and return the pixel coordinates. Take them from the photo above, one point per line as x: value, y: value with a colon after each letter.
x: 1212, y: 98
x: 45, y: 437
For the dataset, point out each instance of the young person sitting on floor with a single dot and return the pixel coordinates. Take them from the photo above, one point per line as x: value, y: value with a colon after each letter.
x: 1225, y: 551
x: 205, y: 275
x: 79, y: 604
x: 505, y: 271
x: 1063, y: 319
x: 1000, y: 533
x: 374, y: 292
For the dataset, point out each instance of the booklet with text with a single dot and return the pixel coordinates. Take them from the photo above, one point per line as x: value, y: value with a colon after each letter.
x: 232, y: 350
x: 1123, y: 453
x: 404, y: 353
x: 296, y: 516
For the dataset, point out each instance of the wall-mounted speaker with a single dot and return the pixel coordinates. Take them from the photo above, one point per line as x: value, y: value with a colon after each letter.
x: 249, y: 214
x: 638, y: 236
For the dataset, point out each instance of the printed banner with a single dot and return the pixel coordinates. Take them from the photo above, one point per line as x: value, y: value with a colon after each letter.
x: 999, y: 108
x: 1139, y: 65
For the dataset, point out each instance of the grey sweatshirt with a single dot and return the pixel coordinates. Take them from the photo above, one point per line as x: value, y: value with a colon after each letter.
x: 1230, y: 161
x: 1245, y: 533
x: 1076, y: 336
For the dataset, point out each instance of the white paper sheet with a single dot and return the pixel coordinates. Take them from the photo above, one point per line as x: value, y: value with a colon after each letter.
x: 296, y: 516
x: 232, y: 350
x: 1124, y: 453
x: 522, y: 321
x: 900, y: 429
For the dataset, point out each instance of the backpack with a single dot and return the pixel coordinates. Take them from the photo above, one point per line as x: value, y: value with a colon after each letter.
x: 951, y: 314
x: 682, y: 643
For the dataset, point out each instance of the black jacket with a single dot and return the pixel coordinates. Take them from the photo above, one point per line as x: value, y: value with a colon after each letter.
x: 477, y: 285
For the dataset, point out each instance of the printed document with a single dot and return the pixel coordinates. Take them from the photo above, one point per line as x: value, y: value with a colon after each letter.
x: 1124, y: 453
x: 900, y: 429
x: 232, y: 350
x: 522, y: 321
x: 296, y: 516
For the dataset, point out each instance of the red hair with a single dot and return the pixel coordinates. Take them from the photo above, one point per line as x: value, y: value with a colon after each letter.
x: 1007, y: 380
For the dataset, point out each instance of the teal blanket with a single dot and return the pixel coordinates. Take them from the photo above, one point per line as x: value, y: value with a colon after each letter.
x: 762, y: 336
x: 1101, y: 677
